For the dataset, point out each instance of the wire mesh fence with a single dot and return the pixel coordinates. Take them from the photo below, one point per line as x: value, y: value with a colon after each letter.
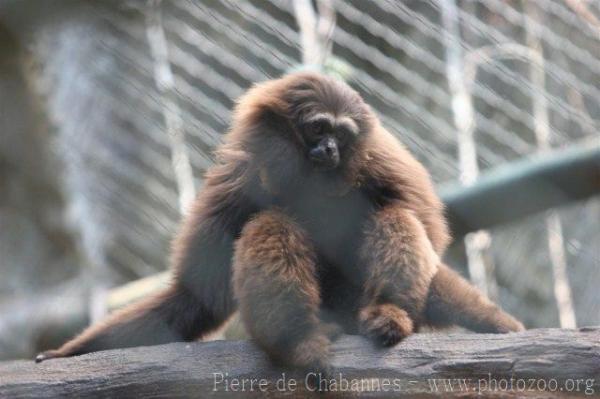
x: 521, y: 63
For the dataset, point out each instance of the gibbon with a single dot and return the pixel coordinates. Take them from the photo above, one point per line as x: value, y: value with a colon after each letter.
x: 313, y: 220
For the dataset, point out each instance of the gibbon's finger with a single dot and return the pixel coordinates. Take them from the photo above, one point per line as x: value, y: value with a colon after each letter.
x: 387, y: 324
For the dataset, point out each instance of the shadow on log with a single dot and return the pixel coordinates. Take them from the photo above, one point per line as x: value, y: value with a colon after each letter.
x: 534, y: 363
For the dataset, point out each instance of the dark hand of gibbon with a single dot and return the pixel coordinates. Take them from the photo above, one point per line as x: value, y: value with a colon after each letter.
x: 313, y: 217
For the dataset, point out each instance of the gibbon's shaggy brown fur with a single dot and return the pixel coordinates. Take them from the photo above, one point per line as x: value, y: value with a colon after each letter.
x: 313, y: 217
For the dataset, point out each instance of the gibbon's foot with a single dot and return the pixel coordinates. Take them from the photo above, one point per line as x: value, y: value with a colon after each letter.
x: 452, y: 300
x: 51, y: 354
x: 387, y: 324
x: 311, y: 357
x: 311, y: 353
x: 505, y: 323
x: 317, y: 374
x: 332, y: 330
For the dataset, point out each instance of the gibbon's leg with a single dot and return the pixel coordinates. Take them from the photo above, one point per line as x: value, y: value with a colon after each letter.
x: 198, y: 301
x: 278, y: 293
x: 170, y: 316
x: 452, y: 300
x: 400, y: 263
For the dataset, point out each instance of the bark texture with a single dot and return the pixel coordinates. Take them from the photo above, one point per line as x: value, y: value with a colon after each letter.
x: 550, y: 362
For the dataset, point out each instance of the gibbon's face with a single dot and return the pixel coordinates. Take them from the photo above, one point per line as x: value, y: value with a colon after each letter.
x: 326, y: 136
x: 329, y: 120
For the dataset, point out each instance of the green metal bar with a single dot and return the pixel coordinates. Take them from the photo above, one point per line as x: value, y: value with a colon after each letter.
x: 524, y: 188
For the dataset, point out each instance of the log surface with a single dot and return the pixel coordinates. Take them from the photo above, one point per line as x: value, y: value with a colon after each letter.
x: 549, y: 362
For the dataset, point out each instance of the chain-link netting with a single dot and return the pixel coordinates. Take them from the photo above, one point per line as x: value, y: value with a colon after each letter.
x: 530, y: 72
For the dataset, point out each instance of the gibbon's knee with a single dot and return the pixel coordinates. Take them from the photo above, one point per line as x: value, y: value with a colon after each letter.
x: 400, y: 260
x: 277, y: 289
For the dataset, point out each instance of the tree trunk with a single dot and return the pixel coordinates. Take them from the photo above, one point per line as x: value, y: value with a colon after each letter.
x: 534, y: 363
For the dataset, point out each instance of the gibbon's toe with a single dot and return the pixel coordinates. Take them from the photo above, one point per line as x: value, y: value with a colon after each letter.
x: 510, y: 325
x: 51, y: 354
x: 500, y: 322
x: 312, y: 358
x: 519, y: 327
x: 311, y: 353
x: 391, y: 335
x: 387, y: 324
x: 332, y: 330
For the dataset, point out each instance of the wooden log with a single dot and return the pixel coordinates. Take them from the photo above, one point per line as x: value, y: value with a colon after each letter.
x: 534, y: 363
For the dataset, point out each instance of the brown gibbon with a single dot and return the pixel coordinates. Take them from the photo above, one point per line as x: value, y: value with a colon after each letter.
x: 313, y: 220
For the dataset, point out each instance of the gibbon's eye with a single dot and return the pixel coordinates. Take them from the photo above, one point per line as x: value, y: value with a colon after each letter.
x: 317, y: 128
x: 345, y: 130
x: 315, y: 131
x: 342, y: 135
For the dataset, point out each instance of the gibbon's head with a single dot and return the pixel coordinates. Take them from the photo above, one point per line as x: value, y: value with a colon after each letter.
x: 306, y: 121
x: 327, y: 117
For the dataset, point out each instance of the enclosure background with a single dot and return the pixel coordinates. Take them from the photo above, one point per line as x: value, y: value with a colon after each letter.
x: 88, y: 193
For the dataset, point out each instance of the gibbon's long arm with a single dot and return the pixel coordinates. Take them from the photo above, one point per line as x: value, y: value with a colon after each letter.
x: 400, y: 263
x: 395, y: 176
x: 276, y: 284
x: 392, y: 175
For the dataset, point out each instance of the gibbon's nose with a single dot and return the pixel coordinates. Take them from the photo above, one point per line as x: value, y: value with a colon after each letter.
x: 325, y: 153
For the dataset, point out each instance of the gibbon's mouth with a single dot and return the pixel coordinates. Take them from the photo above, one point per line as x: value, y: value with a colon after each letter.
x: 324, y: 164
